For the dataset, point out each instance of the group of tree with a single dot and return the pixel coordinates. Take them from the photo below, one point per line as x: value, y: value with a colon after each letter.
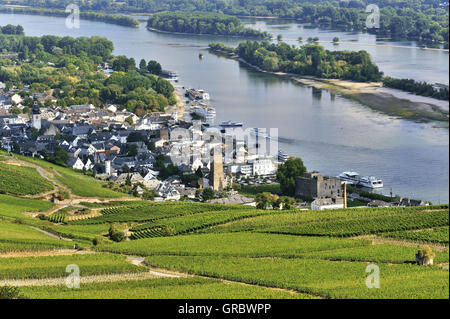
x: 69, y: 68
x: 203, y: 23
x: 93, y: 16
x: 287, y: 172
x: 12, y: 29
x: 266, y: 200
x: 419, y: 88
x: 425, y: 20
x: 310, y: 59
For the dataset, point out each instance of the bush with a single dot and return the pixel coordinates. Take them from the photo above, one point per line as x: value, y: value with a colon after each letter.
x: 98, y: 240
x: 426, y: 253
x: 7, y: 292
x: 42, y: 217
x: 116, y: 234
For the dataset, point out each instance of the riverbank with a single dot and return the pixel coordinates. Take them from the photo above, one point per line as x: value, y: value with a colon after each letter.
x: 373, y: 94
x: 180, y: 107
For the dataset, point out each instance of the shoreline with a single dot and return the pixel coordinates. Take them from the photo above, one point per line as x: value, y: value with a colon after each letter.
x: 180, y: 107
x: 370, y: 94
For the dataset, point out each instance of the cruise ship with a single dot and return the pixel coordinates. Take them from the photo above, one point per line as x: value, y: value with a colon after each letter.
x: 370, y: 182
x: 351, y: 178
x: 197, y: 95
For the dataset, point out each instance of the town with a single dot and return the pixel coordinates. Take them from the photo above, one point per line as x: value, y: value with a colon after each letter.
x: 159, y: 156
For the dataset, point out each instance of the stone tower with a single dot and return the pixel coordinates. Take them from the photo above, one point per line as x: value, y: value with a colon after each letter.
x: 216, y: 176
x: 108, y: 168
x: 36, y: 118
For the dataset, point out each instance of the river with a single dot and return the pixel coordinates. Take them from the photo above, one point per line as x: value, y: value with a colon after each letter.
x: 331, y: 134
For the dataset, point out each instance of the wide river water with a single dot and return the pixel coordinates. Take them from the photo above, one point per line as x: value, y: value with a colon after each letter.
x: 331, y: 134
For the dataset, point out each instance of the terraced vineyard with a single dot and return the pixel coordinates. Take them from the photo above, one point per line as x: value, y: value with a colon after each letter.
x: 17, y: 180
x: 145, y: 211
x: 186, y: 224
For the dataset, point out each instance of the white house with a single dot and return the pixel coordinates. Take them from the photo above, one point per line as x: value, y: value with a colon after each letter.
x: 326, y: 203
x: 16, y: 99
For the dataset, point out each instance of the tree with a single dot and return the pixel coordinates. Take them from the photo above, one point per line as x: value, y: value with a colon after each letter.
x: 60, y: 156
x: 115, y: 233
x: 132, y: 150
x: 335, y: 40
x: 207, y: 194
x: 264, y: 200
x: 287, y: 172
x: 143, y: 65
x: 15, y: 148
x: 279, y: 37
x: 199, y: 172
x: 129, y: 120
x: 300, y: 39
x: 287, y: 202
x: 154, y: 67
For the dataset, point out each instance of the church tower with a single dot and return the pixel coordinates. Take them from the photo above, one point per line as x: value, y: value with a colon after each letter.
x: 36, y: 118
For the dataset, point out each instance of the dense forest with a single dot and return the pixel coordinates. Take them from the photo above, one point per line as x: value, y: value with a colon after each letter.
x: 69, y: 69
x: 203, y: 23
x: 310, y: 59
x: 94, y: 16
x: 425, y: 20
x: 419, y: 88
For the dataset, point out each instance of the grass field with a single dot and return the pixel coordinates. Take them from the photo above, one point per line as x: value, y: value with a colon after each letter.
x: 17, y: 180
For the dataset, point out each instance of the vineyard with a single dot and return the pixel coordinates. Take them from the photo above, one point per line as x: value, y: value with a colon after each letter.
x: 17, y: 180
x: 142, y: 249
x: 436, y: 235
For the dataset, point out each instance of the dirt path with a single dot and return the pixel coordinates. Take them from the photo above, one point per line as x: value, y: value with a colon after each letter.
x: 45, y: 253
x: 50, y: 234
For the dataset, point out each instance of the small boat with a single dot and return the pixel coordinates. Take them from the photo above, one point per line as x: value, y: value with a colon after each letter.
x: 198, y: 95
x: 230, y: 124
x: 205, y: 112
x: 351, y: 178
x: 370, y: 182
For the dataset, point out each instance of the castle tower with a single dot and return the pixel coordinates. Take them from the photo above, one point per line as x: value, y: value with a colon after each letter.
x: 217, y: 177
x: 36, y: 118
